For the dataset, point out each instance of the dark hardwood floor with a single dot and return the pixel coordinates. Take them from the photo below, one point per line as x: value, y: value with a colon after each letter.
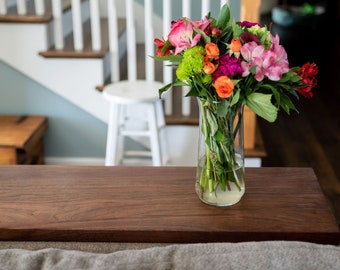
x: 311, y: 138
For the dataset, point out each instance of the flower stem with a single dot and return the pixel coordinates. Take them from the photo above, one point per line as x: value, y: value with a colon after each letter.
x: 219, y: 132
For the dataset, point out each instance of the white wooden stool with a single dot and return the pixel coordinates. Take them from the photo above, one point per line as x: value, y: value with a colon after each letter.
x: 138, y: 100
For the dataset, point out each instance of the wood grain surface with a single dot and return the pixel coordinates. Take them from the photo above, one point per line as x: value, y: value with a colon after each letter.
x: 158, y: 204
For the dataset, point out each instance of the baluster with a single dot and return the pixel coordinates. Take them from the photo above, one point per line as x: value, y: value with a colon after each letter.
x: 21, y: 6
x: 3, y: 7
x: 95, y: 25
x: 113, y: 39
x: 186, y: 8
x: 149, y: 45
x: 167, y: 71
x: 225, y: 2
x: 77, y: 26
x: 39, y: 7
x: 205, y: 8
x: 186, y: 12
x: 131, y: 41
x: 58, y: 24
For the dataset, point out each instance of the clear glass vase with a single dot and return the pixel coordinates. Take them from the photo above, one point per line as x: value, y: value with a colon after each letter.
x: 220, y: 178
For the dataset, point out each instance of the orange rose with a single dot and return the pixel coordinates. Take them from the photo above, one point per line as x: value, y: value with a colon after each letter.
x: 224, y: 87
x: 209, y: 68
x: 212, y: 50
x: 235, y: 45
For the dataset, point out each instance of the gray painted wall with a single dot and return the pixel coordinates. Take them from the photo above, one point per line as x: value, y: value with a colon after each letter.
x: 72, y: 133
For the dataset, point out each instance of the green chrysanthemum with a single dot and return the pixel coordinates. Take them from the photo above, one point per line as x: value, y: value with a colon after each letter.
x: 191, y: 64
x: 262, y: 33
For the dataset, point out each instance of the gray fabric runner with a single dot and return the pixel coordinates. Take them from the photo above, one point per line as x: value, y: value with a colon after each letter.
x: 246, y: 255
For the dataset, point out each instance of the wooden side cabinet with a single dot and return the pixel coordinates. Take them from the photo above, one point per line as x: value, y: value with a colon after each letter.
x: 21, y: 139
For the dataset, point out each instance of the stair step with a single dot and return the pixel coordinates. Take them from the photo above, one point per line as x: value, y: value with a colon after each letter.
x: 87, y: 52
x: 69, y: 52
x: 12, y: 15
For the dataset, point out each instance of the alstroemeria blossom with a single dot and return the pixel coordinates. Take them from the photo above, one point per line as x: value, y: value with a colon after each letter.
x: 307, y: 73
x: 271, y: 63
x: 201, y: 24
x: 159, y: 48
x: 182, y: 35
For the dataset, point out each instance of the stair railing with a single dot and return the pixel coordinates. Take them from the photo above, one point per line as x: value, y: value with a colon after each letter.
x: 21, y: 6
x: 79, y: 14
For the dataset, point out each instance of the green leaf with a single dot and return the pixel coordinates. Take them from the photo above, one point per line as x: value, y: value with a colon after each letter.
x: 219, y: 136
x: 169, y: 85
x: 223, y: 17
x: 236, y: 28
x: 222, y: 108
x: 262, y: 106
x: 193, y: 92
x: 212, y: 122
x: 206, y: 38
x: 287, y: 104
x: 235, y: 98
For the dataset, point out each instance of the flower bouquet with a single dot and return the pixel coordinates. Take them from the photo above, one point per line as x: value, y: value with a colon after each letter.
x: 228, y: 65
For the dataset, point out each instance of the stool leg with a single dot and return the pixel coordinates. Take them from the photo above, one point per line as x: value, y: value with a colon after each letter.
x: 112, y: 136
x: 161, y: 127
x: 154, y: 135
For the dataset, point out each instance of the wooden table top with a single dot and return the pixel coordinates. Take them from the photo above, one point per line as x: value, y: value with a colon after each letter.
x: 158, y: 204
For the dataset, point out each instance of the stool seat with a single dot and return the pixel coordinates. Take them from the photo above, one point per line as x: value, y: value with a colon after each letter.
x: 127, y: 92
x: 135, y: 101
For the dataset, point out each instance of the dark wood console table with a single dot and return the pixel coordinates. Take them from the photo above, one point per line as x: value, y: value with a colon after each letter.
x: 158, y: 204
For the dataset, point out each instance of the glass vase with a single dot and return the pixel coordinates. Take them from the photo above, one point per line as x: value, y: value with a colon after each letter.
x: 220, y: 177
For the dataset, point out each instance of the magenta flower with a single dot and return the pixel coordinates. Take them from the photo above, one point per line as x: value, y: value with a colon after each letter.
x: 249, y: 24
x: 182, y: 36
x: 246, y: 37
x: 227, y: 66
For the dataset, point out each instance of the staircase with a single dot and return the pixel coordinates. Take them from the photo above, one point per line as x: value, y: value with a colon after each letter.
x: 78, y: 75
x: 28, y: 45
x: 55, y: 43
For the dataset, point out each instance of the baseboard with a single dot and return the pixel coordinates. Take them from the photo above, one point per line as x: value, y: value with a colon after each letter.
x: 76, y: 161
x: 84, y: 161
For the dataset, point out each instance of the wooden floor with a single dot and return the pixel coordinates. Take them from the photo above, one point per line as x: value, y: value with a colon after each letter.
x: 312, y: 137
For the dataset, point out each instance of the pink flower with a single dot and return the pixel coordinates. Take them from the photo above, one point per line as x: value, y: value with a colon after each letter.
x: 201, y: 24
x: 271, y: 63
x: 182, y: 36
